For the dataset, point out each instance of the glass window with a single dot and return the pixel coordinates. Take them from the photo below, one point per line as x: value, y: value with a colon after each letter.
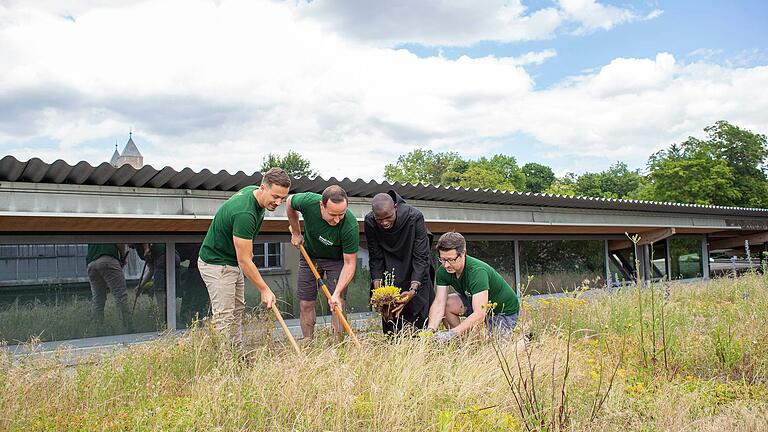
x: 267, y: 255
x: 66, y: 291
x: 659, y: 259
x: 685, y: 257
x: 622, y: 266
x: 192, y: 303
x: 560, y: 265
x: 498, y: 254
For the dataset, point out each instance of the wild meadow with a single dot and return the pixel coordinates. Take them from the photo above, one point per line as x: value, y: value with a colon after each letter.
x: 670, y: 357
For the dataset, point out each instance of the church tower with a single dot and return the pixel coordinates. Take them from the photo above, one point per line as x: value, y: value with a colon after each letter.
x: 130, y: 155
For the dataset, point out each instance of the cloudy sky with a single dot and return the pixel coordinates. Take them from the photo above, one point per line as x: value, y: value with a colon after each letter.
x: 352, y: 84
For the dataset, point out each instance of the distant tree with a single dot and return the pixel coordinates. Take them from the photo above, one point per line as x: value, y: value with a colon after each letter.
x: 538, y: 177
x: 727, y: 168
x: 426, y: 166
x: 565, y: 185
x: 500, y: 172
x: 615, y: 182
x: 293, y: 163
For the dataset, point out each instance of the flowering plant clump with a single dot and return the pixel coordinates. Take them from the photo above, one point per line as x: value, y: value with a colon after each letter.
x: 385, y: 298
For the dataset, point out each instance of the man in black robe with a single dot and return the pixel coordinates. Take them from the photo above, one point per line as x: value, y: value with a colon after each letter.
x: 399, y: 242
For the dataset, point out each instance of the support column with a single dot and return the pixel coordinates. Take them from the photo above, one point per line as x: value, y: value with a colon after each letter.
x: 704, y: 257
x: 518, y: 282
x: 170, y: 285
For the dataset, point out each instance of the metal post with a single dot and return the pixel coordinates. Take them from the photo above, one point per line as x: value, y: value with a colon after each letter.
x: 704, y: 257
x: 645, y: 268
x: 170, y: 284
x: 668, y: 259
x: 518, y: 282
x: 607, y: 258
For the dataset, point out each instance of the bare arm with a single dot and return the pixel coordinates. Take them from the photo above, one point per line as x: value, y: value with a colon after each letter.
x: 347, y: 272
x: 437, y: 310
x: 244, y: 251
x: 293, y: 221
x: 479, y: 303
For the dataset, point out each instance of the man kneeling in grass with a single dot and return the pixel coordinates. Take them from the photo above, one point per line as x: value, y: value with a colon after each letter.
x: 478, y: 285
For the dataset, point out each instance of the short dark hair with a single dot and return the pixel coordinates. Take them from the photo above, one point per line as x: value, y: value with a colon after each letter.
x: 450, y: 241
x: 276, y: 176
x: 335, y: 193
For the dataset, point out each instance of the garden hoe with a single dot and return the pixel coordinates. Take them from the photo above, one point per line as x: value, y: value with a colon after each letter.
x: 285, y: 329
x: 138, y: 286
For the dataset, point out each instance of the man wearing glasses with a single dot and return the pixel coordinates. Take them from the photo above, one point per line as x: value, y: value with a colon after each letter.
x: 483, y: 295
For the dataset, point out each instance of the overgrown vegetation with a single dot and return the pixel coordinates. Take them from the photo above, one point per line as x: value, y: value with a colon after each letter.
x: 702, y: 365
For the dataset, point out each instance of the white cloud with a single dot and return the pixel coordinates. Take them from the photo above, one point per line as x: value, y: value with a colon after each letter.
x: 459, y: 23
x: 591, y: 15
x: 534, y: 57
x: 226, y: 83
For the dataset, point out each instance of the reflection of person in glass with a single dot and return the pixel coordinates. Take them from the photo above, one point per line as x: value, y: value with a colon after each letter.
x: 155, y: 252
x: 483, y: 295
x: 191, y: 288
x: 399, y: 241
x: 227, y: 251
x: 105, y: 272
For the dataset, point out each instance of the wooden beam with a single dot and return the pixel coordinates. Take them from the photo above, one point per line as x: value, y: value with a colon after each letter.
x: 646, y: 237
x: 738, y: 242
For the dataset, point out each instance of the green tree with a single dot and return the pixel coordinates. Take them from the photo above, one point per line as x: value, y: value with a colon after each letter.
x: 727, y: 168
x: 694, y: 179
x: 615, y: 182
x: 500, y: 172
x: 427, y: 167
x: 538, y: 177
x: 293, y: 163
x: 565, y: 185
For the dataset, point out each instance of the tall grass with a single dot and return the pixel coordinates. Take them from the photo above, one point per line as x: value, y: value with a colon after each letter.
x: 717, y: 354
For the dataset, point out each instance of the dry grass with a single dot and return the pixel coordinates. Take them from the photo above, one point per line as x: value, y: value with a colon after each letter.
x: 196, y: 382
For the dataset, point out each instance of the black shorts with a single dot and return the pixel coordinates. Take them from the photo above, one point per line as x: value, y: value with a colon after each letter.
x: 307, y: 286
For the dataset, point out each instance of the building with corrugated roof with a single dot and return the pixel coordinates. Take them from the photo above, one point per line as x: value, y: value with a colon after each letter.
x: 541, y: 243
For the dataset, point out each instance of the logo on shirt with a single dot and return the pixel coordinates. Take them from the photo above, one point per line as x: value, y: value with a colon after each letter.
x: 325, y: 241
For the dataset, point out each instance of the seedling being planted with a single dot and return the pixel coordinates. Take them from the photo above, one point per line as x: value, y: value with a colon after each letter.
x: 385, y: 298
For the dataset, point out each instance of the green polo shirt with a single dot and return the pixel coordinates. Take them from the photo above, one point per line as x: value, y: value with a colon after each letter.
x: 240, y: 216
x: 322, y: 240
x: 101, y: 249
x: 478, y: 277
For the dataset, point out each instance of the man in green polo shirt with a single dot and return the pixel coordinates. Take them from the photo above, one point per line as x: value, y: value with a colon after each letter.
x: 331, y: 238
x: 227, y: 251
x: 478, y: 285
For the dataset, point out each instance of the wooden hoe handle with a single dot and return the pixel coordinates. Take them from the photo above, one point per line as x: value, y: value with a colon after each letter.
x: 335, y: 309
x: 285, y: 329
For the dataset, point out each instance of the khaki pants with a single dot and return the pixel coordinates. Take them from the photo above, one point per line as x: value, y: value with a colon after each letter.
x: 106, y: 274
x: 226, y: 288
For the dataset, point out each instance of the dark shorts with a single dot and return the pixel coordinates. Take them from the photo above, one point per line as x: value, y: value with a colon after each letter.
x: 497, y: 324
x: 307, y: 286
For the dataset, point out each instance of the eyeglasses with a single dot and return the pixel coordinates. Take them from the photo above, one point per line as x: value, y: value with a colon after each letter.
x: 448, y: 260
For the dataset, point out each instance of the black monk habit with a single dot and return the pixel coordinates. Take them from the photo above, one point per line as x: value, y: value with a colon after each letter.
x: 405, y: 248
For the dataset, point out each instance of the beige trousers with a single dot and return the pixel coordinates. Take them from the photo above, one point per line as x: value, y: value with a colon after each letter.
x: 226, y: 288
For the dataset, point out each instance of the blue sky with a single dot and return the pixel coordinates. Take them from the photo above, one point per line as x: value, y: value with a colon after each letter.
x: 718, y: 31
x: 352, y: 84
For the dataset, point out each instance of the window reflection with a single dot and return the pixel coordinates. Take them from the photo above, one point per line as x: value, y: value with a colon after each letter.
x: 562, y: 265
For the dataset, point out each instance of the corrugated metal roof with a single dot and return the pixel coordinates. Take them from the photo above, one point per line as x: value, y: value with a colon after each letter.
x: 60, y: 172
